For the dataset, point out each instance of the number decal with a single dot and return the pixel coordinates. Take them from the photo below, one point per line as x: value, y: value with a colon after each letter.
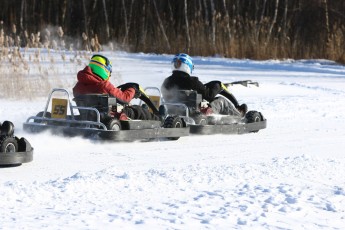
x: 59, y: 108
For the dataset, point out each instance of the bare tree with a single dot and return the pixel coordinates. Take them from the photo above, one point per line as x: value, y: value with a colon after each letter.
x: 106, y: 19
x: 127, y: 22
x: 259, y: 24
x: 161, y: 25
x: 227, y: 21
x: 63, y: 12
x: 187, y: 25
x: 142, y: 28
x: 273, y: 22
x: 285, y: 19
x: 213, y: 24
x: 326, y: 17
x: 206, y: 19
x: 85, y: 18
x: 22, y: 14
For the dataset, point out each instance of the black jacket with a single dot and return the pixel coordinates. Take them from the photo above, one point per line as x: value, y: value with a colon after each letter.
x: 182, y: 81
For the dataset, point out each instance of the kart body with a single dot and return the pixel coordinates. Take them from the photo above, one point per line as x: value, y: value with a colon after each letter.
x: 13, y: 150
x: 188, y: 105
x: 97, y: 115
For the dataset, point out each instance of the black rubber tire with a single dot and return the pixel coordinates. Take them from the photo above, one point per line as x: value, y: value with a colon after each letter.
x: 162, y: 110
x: 40, y: 114
x: 129, y: 112
x: 112, y: 124
x: 173, y: 122
x: 146, y: 112
x: 7, y: 128
x: 138, y: 112
x: 23, y: 145
x: 8, y: 144
x: 200, y: 119
x: 253, y: 116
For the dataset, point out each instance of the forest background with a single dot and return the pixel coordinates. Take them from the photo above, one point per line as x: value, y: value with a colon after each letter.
x: 254, y: 29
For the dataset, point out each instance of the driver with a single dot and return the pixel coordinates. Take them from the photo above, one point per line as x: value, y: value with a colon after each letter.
x: 94, y: 78
x: 181, y: 79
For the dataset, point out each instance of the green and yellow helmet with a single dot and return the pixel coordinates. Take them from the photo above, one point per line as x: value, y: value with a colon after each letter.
x: 101, y: 66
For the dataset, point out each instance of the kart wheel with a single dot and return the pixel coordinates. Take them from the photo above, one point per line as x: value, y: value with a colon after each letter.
x: 173, y: 122
x: 253, y: 116
x: 8, y: 144
x: 40, y: 114
x: 129, y: 112
x: 200, y: 119
x: 146, y: 113
x: 23, y: 145
x: 7, y: 128
x: 112, y: 124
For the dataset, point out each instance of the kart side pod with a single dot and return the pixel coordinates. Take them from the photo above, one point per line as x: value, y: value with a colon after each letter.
x: 13, y: 150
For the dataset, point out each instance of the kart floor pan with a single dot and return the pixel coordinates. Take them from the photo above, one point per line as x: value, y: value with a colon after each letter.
x: 122, y: 135
x: 15, y: 158
x: 236, y: 128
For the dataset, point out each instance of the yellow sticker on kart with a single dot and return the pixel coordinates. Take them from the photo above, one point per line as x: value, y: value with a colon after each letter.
x: 59, y: 108
x: 156, y: 100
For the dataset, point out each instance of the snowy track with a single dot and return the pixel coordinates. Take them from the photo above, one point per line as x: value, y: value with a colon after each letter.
x: 288, y: 176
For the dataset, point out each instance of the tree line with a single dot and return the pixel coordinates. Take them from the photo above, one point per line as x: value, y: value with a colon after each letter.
x: 256, y: 29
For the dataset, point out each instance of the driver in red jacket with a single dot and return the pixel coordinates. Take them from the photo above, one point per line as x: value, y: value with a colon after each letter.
x: 94, y: 78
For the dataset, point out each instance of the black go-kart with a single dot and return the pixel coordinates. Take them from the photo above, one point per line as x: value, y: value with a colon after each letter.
x: 188, y: 104
x: 99, y: 115
x: 13, y: 150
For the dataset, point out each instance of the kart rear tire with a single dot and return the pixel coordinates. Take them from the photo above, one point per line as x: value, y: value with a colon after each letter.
x: 8, y: 144
x: 112, y: 124
x: 146, y: 113
x: 7, y: 128
x: 200, y: 119
x: 173, y: 122
x: 253, y: 116
x: 24, y: 145
x: 129, y: 112
x: 40, y: 114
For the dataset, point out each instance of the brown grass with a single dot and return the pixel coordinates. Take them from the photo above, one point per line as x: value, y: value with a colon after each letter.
x: 29, y: 73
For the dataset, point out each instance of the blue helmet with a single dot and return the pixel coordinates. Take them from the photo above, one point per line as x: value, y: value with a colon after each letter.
x: 183, y: 62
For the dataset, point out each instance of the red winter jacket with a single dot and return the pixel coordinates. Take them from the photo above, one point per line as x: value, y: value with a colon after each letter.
x: 89, y: 83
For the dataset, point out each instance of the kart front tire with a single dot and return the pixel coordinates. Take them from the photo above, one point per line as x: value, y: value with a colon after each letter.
x: 7, y: 128
x: 200, y: 119
x: 8, y: 144
x: 253, y: 116
x: 112, y: 124
x: 173, y: 122
x: 40, y: 114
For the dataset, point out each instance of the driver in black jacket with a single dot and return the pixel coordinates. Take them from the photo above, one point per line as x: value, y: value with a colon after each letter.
x: 181, y: 79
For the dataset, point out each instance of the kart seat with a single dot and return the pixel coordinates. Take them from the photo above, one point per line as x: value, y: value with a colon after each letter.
x: 188, y: 97
x: 102, y: 102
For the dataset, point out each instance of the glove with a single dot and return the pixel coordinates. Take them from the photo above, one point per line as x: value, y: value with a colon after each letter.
x: 213, y: 85
x: 213, y: 88
x: 135, y: 86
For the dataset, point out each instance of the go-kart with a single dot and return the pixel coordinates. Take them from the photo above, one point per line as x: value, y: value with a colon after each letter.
x: 13, y: 150
x: 101, y: 116
x: 188, y: 104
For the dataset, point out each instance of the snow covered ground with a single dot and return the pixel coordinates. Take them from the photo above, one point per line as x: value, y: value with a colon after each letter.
x: 288, y: 176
